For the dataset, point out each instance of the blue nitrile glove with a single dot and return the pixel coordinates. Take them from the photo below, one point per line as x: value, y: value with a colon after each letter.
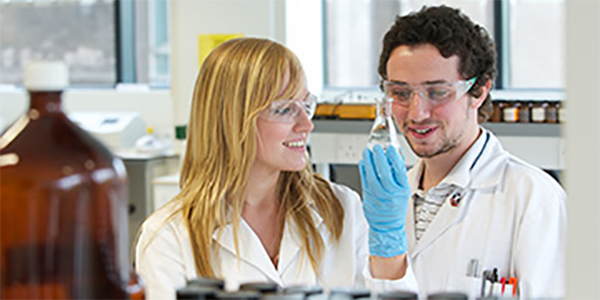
x: 385, y: 192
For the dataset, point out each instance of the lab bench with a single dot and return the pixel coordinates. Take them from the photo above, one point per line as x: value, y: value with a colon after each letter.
x: 142, y: 169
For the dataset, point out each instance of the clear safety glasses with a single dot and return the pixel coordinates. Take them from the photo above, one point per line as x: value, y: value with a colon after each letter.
x: 434, y: 94
x: 286, y: 111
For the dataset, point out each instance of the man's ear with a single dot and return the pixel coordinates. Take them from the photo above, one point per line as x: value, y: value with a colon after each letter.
x: 485, y: 90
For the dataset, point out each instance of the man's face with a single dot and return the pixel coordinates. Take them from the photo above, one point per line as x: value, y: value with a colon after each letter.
x: 430, y: 130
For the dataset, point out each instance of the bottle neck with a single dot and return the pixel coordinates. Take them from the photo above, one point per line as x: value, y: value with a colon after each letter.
x: 46, y: 101
x: 384, y: 108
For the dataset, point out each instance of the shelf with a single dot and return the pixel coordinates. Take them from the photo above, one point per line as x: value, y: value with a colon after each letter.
x: 499, y: 129
x: 342, y: 142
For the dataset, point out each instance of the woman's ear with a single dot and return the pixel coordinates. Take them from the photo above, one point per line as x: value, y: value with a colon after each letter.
x: 485, y: 90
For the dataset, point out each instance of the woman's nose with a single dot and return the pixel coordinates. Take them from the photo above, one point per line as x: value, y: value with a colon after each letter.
x: 303, y: 122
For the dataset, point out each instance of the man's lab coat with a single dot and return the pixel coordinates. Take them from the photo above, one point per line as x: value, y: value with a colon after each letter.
x: 510, y: 216
x: 164, y: 257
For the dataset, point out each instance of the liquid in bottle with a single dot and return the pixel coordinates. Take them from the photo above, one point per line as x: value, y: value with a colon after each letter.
x: 383, y: 132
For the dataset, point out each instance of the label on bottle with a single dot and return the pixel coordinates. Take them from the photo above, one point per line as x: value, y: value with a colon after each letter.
x: 562, y: 115
x: 511, y: 114
x: 538, y: 114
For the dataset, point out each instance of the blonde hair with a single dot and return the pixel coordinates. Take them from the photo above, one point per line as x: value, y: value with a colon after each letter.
x: 238, y: 80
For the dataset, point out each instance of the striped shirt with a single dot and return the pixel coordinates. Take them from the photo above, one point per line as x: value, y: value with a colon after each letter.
x: 428, y: 204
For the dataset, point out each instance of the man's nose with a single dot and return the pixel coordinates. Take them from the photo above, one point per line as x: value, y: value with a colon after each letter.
x: 418, y: 107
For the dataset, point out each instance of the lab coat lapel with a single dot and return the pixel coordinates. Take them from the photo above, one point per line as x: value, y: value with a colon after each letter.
x: 410, y: 228
x: 291, y: 243
x: 413, y: 178
x: 446, y: 217
x: 250, y: 247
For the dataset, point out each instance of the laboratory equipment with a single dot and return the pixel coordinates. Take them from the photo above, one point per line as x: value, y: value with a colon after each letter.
x: 398, y: 295
x: 552, y: 112
x: 63, y: 203
x: 117, y: 130
x: 538, y: 112
x: 383, y: 131
x: 511, y: 112
x: 525, y: 112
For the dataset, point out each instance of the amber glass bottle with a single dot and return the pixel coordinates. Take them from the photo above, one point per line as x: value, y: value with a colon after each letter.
x: 63, y: 203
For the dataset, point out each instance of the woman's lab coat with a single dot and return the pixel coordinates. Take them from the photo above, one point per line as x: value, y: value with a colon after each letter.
x: 164, y: 257
x: 510, y: 216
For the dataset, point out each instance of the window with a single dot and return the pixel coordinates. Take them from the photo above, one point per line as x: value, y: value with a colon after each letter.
x: 81, y: 33
x: 531, y: 38
x: 151, y: 47
x: 104, y: 42
x: 536, y: 39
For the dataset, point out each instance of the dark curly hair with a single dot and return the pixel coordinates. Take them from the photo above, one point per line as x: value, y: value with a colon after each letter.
x: 452, y: 33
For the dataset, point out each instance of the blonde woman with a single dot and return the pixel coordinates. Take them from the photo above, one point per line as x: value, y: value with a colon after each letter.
x: 250, y: 209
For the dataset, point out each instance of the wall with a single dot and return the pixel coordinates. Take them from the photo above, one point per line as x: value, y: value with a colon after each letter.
x: 583, y: 149
x: 259, y: 18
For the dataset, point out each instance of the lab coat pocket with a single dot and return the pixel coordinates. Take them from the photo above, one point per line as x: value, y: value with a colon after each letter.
x: 465, y: 284
x: 474, y: 287
x: 504, y: 291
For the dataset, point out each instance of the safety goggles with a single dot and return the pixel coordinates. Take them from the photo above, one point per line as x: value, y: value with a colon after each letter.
x: 286, y: 111
x: 434, y: 94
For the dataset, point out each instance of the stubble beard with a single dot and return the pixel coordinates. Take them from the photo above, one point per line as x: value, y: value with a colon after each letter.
x: 446, y: 143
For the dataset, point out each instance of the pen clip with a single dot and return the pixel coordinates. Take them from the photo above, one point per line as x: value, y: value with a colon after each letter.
x: 513, y: 281
x: 484, y: 276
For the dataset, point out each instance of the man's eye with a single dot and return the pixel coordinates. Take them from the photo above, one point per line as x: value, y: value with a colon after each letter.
x: 401, y: 94
x: 438, y: 93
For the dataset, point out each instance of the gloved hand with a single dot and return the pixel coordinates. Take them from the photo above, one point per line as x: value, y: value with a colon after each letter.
x: 385, y: 192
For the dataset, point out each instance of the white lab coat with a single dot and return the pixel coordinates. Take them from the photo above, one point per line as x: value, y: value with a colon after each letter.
x: 164, y: 257
x: 512, y: 217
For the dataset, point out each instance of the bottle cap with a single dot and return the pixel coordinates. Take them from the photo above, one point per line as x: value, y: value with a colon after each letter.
x: 46, y: 76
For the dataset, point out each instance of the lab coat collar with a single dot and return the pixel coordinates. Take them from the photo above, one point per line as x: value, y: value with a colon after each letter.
x: 253, y: 252
x: 491, y: 165
x: 460, y: 175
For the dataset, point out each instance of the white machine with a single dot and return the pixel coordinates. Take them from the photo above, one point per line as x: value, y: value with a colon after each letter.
x: 117, y: 130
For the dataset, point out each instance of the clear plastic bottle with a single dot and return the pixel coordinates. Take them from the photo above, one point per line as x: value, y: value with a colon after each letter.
x: 63, y: 204
x: 383, y: 131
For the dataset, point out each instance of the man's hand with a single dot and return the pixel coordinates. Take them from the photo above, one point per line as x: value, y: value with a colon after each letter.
x: 385, y: 192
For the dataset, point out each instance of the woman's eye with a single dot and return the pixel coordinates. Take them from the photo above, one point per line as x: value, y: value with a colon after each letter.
x: 282, y: 111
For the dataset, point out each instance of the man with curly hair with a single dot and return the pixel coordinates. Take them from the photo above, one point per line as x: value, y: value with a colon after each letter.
x: 470, y: 205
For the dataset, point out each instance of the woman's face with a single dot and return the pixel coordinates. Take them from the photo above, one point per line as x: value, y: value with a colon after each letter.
x: 283, y: 129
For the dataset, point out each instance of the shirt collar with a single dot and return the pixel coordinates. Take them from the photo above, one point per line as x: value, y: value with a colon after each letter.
x: 460, y: 175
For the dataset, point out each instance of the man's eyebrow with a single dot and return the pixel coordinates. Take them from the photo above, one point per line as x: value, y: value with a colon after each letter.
x: 397, y: 82
x: 426, y: 82
x: 436, y: 81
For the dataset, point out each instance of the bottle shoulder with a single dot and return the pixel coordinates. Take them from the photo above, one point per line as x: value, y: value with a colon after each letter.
x: 52, y: 146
